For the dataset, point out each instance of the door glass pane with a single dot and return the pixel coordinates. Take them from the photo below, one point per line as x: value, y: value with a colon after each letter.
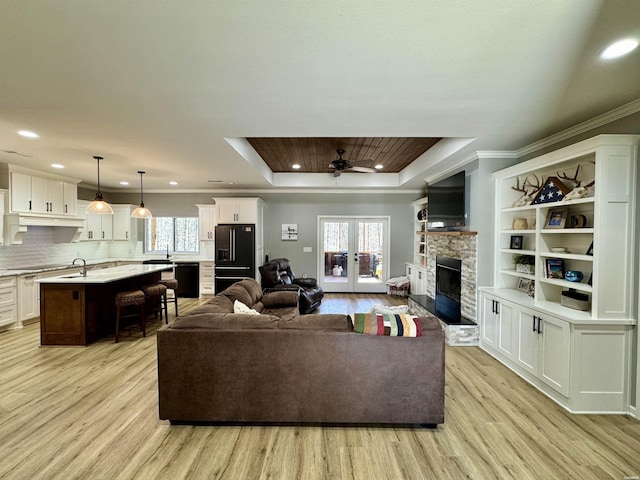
x: 370, y: 247
x: 336, y: 251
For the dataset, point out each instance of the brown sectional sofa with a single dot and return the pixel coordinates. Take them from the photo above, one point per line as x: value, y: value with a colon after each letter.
x: 219, y: 366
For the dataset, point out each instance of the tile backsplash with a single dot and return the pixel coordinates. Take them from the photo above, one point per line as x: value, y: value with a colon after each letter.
x: 39, y: 247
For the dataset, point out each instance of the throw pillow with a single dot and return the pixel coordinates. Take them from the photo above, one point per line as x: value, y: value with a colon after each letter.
x: 239, y: 307
x: 398, y: 309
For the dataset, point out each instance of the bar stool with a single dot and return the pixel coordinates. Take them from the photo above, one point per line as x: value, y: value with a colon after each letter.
x: 171, y: 284
x: 129, y: 299
x: 155, y: 298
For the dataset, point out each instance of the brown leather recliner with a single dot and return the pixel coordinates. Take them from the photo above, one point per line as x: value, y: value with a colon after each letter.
x: 277, y: 275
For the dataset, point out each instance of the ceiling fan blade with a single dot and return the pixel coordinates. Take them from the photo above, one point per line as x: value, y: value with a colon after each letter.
x: 337, y: 173
x: 362, y: 163
x: 363, y: 169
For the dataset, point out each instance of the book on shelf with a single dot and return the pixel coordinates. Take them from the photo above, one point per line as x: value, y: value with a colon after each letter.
x: 555, y: 268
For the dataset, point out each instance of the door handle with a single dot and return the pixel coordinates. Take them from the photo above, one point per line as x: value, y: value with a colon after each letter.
x: 534, y: 323
x: 539, y: 326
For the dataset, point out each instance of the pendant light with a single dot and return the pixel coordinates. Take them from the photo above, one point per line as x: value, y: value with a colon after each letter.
x: 99, y: 205
x: 141, y: 211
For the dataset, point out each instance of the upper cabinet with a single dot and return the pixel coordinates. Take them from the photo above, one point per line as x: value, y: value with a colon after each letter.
x: 38, y: 193
x: 98, y: 227
x: 206, y: 222
x: 124, y: 227
x: 238, y: 210
x: 565, y: 226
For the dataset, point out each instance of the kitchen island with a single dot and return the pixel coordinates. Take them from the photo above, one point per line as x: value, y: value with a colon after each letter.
x: 78, y: 310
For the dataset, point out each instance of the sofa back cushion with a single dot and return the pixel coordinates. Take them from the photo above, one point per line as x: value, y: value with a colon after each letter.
x: 253, y: 290
x: 225, y: 321
x: 238, y: 292
x: 328, y: 322
x: 217, y: 304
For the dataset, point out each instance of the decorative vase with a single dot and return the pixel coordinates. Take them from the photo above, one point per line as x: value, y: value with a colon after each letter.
x: 520, y: 223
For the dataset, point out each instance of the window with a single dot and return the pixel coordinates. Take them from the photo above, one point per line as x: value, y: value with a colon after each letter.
x: 175, y: 234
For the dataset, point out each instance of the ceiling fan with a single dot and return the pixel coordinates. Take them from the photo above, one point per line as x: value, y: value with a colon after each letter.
x: 340, y: 165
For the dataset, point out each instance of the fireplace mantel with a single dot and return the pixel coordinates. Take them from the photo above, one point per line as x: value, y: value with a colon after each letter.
x: 451, y: 234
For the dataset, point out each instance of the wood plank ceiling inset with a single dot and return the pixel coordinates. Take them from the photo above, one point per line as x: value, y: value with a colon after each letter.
x: 315, y: 153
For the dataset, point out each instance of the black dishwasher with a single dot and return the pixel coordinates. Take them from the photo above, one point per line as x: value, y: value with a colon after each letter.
x: 188, y: 277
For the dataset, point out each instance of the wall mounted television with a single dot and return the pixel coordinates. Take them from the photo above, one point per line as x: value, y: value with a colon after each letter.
x: 446, y: 204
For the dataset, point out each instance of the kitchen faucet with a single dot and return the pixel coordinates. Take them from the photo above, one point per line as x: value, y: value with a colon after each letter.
x: 84, y: 265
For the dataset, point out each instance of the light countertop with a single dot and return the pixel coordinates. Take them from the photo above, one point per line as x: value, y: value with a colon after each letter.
x: 105, y: 275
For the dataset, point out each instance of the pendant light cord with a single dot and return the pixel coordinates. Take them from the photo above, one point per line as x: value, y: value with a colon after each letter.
x: 141, y: 194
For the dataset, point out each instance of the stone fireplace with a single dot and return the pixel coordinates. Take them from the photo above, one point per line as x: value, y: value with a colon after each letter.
x: 454, y: 256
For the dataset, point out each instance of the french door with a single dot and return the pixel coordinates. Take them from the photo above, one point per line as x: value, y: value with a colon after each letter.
x: 353, y: 254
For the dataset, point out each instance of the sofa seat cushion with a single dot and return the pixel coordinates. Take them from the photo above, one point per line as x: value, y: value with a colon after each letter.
x: 326, y: 322
x: 225, y: 321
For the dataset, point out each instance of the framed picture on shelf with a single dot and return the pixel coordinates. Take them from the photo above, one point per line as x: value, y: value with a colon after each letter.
x: 556, y: 218
x: 527, y: 286
x: 516, y: 242
x: 590, y: 250
x: 555, y: 268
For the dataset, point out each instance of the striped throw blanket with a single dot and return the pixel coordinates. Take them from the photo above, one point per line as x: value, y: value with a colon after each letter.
x: 398, y: 325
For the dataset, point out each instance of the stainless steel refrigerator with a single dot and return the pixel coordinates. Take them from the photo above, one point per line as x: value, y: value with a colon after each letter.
x: 235, y: 254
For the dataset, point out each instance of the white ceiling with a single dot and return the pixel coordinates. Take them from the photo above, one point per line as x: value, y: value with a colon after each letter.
x: 172, y: 87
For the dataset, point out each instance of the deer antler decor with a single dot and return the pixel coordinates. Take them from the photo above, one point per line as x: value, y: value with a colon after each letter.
x: 526, y: 197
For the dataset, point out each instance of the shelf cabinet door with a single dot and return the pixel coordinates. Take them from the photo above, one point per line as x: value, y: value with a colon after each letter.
x: 554, y: 353
x: 544, y: 345
x: 489, y: 325
x: 506, y: 329
x: 527, y: 347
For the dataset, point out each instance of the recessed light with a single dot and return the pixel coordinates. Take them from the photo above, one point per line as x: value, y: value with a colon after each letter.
x: 173, y: 183
x: 296, y: 166
x: 619, y: 48
x: 57, y: 165
x: 28, y: 134
x: 124, y: 183
x: 379, y: 166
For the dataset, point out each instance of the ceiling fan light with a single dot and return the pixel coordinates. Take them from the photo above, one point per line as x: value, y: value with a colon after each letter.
x: 379, y: 166
x: 99, y: 205
x: 296, y: 166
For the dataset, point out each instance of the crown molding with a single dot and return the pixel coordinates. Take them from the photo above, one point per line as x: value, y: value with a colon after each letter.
x: 595, y: 122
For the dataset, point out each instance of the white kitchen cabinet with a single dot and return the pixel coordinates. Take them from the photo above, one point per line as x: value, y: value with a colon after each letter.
x: 206, y: 222
x: 124, y: 227
x: 39, y: 194
x: 70, y: 199
x: 20, y: 188
x: 238, y: 210
x: 8, y: 302
x: 498, y: 328
x: 206, y: 279
x: 28, y: 306
x: 99, y: 226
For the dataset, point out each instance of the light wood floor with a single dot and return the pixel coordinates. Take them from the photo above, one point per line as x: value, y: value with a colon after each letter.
x: 92, y: 413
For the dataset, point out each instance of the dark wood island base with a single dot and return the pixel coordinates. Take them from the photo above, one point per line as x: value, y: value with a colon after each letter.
x: 77, y: 311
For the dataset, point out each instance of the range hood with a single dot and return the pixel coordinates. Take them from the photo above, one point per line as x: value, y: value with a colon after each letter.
x: 17, y: 224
